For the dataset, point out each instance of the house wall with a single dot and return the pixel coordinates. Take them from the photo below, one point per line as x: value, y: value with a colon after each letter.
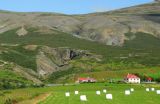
x: 84, y: 81
x: 134, y: 80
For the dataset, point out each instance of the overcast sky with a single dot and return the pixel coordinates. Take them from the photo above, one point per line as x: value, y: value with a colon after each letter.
x: 67, y: 6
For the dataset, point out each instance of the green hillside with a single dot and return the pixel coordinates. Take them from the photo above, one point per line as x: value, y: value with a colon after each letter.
x: 139, y: 52
x: 11, y: 80
x: 143, y: 46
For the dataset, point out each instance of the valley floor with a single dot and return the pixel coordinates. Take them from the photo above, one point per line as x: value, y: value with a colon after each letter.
x: 56, y: 95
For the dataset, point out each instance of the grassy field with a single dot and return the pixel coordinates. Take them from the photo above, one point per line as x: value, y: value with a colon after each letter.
x: 139, y: 96
x: 19, y: 95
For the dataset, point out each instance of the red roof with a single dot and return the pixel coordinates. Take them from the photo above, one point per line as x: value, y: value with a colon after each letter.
x: 132, y: 76
x: 82, y: 79
x: 149, y: 79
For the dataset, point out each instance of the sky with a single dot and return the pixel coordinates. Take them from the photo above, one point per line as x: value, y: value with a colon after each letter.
x: 67, y: 6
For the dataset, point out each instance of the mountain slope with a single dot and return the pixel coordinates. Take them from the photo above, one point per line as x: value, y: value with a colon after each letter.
x: 48, y: 47
x: 108, y: 28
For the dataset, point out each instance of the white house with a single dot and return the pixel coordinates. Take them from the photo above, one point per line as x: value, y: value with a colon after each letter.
x: 131, y: 78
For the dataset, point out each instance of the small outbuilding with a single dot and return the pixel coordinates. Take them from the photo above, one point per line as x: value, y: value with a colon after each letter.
x: 149, y: 79
x: 86, y: 80
x: 131, y: 78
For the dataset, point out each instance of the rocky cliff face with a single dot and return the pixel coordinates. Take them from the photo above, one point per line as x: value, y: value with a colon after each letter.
x: 48, y: 61
x: 51, y: 60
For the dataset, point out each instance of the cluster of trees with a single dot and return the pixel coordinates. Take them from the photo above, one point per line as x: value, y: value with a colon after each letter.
x: 10, y: 101
x: 5, y: 84
x: 11, y: 84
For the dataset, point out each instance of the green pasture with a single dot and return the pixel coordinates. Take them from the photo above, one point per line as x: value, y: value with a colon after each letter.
x: 139, y: 96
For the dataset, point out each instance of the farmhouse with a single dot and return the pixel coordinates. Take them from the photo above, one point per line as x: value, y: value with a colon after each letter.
x: 86, y: 80
x: 131, y: 78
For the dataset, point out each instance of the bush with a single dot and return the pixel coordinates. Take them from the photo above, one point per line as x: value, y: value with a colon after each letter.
x: 8, y: 101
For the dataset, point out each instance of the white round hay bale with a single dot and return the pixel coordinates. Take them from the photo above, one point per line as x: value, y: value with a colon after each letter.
x: 147, y: 89
x: 98, y: 92
x: 109, y: 96
x: 158, y: 92
x: 127, y: 92
x: 104, y: 91
x: 132, y: 89
x: 67, y: 94
x: 83, y: 98
x: 76, y: 92
x: 152, y: 89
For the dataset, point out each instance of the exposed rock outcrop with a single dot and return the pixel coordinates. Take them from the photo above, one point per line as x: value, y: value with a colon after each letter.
x: 50, y: 60
x: 22, y: 32
x: 30, y: 47
x: 157, y: 0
